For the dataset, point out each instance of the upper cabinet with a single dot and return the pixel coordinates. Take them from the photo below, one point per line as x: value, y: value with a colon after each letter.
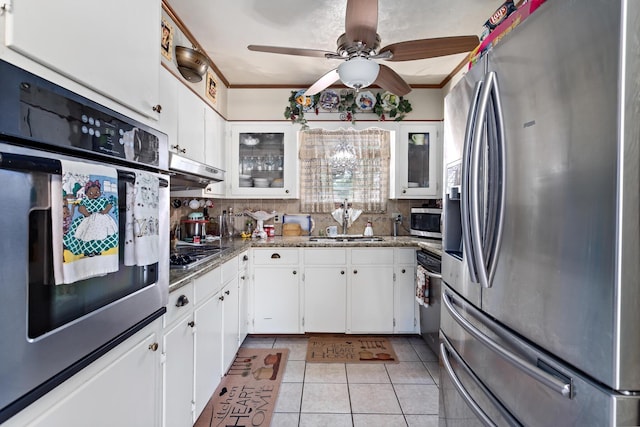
x: 190, y: 142
x: 113, y: 49
x: 263, y: 160
x: 418, y: 162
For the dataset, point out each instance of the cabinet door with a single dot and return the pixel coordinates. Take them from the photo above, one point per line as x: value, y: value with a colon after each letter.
x: 418, y: 167
x: 168, y: 119
x: 208, y: 354
x: 190, y: 124
x: 371, y: 299
x: 230, y: 324
x: 113, y: 49
x: 122, y: 394
x: 404, y: 300
x: 178, y: 374
x: 263, y: 161
x: 214, y: 131
x: 276, y: 300
x: 325, y: 299
x: 243, y: 290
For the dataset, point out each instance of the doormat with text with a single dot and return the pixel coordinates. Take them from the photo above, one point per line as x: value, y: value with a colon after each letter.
x: 248, y: 392
x: 350, y: 349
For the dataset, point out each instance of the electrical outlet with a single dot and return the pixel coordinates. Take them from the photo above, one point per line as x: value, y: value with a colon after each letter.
x: 277, y: 219
x: 396, y: 216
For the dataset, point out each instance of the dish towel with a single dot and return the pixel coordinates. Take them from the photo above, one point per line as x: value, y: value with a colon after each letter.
x: 422, y: 286
x: 141, y: 236
x: 84, y: 203
x: 338, y: 215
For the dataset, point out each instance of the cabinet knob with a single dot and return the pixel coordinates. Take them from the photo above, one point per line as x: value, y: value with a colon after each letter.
x: 221, y: 297
x: 153, y: 347
x: 178, y: 149
x: 192, y: 323
x: 404, y: 191
x: 286, y: 191
x: 341, y: 271
x: 242, y: 277
x: 157, y: 108
x: 182, y: 301
x: 226, y: 292
x: 295, y: 272
x: 355, y: 271
x: 404, y: 271
x: 245, y: 258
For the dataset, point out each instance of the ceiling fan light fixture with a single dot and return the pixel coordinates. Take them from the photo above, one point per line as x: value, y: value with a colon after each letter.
x: 358, y: 72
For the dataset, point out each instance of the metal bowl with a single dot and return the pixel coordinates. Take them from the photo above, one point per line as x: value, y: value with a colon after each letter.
x: 191, y: 63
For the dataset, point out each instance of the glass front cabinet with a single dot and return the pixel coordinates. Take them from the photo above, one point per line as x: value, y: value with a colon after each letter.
x: 418, y: 162
x: 263, y: 161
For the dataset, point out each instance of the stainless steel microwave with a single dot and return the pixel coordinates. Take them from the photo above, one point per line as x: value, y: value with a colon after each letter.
x: 426, y: 222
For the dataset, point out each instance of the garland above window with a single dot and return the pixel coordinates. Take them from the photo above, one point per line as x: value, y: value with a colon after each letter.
x: 348, y: 103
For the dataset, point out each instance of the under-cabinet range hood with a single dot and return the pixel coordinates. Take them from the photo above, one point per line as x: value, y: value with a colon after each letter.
x: 187, y: 174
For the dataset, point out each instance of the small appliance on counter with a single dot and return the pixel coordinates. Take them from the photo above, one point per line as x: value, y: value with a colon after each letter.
x: 426, y: 221
x: 194, y: 228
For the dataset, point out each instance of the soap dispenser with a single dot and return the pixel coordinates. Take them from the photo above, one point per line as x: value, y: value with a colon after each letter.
x: 368, y: 230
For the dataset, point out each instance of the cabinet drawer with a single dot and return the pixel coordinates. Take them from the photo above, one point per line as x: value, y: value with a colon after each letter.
x: 181, y: 301
x: 406, y: 256
x: 325, y: 256
x: 229, y: 270
x: 372, y: 256
x: 275, y: 256
x: 207, y: 285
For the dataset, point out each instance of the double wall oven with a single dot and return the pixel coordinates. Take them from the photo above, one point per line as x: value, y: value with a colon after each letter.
x: 51, y: 331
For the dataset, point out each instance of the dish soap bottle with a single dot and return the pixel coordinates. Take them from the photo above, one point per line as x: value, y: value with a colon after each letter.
x: 368, y: 230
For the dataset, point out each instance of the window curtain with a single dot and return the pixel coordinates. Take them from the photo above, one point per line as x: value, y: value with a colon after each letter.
x: 369, y: 179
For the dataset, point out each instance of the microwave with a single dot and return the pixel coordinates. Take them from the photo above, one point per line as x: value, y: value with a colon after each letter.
x: 426, y: 222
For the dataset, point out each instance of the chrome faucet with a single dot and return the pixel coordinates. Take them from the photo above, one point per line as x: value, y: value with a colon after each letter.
x: 345, y: 217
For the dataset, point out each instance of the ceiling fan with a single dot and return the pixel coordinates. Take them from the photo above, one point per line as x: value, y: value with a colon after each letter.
x: 359, y: 46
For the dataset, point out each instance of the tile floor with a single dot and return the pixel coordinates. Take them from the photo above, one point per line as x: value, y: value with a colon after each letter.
x: 371, y: 395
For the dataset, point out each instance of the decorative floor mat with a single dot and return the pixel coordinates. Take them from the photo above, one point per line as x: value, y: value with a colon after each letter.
x: 248, y: 392
x: 350, y: 349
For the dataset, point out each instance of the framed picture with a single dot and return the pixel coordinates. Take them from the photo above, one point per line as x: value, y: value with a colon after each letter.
x: 212, y: 86
x: 166, y: 42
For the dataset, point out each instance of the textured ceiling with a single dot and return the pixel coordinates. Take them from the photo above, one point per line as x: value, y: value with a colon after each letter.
x: 225, y: 28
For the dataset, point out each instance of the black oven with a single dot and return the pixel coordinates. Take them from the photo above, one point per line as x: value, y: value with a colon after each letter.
x: 69, y: 292
x: 426, y: 222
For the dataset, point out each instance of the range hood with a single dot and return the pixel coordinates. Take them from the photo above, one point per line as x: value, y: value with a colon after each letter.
x: 187, y: 174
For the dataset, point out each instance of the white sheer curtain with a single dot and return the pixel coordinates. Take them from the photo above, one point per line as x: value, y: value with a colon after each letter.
x: 366, y: 186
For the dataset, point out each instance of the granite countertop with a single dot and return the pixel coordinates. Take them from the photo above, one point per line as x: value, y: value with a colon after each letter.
x: 233, y: 247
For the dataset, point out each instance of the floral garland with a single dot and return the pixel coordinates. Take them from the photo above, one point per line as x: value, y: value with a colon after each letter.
x: 386, y: 105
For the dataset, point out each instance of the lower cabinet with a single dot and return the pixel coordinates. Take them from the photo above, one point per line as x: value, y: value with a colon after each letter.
x: 122, y: 388
x: 231, y: 327
x: 325, y: 290
x: 243, y: 295
x: 405, y: 307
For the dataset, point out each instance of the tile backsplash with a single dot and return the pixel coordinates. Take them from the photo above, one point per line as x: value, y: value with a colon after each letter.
x: 382, y: 224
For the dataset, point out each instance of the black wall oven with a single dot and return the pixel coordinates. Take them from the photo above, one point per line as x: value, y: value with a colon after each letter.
x: 53, y: 221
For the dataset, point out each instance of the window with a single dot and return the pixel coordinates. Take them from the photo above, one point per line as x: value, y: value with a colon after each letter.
x: 366, y: 185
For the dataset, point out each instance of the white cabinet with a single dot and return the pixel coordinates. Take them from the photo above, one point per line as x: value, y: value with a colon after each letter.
x: 190, y: 125
x: 371, y: 290
x: 230, y: 325
x: 276, y: 291
x: 178, y: 347
x: 243, y: 291
x: 405, y: 306
x: 325, y: 290
x: 418, y: 162
x: 114, y: 50
x: 214, y: 127
x: 122, y: 388
x: 168, y: 117
x: 263, y: 160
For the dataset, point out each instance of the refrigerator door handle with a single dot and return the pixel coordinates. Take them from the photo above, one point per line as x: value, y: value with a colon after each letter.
x: 467, y: 244
x: 485, y: 275
x: 446, y: 349
x: 561, y: 387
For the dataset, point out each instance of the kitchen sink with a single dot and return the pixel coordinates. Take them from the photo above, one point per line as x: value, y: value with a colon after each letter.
x: 342, y: 238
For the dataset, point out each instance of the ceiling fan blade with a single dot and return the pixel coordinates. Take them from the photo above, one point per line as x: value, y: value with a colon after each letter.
x: 291, y: 51
x: 323, y: 82
x: 391, y: 81
x: 361, y: 22
x: 430, y: 48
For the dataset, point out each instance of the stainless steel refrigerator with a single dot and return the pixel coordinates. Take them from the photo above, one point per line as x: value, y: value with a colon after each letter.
x: 540, y: 324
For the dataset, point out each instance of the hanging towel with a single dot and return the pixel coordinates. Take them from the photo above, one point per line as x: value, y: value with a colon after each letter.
x: 422, y: 286
x: 141, y: 245
x: 84, y: 203
x: 338, y: 215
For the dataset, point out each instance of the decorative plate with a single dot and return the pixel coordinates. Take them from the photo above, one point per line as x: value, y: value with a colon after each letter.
x: 306, y: 102
x: 390, y: 101
x: 365, y: 101
x: 329, y: 100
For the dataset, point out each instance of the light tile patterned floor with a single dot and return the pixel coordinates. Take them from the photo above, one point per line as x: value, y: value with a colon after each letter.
x: 338, y: 394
